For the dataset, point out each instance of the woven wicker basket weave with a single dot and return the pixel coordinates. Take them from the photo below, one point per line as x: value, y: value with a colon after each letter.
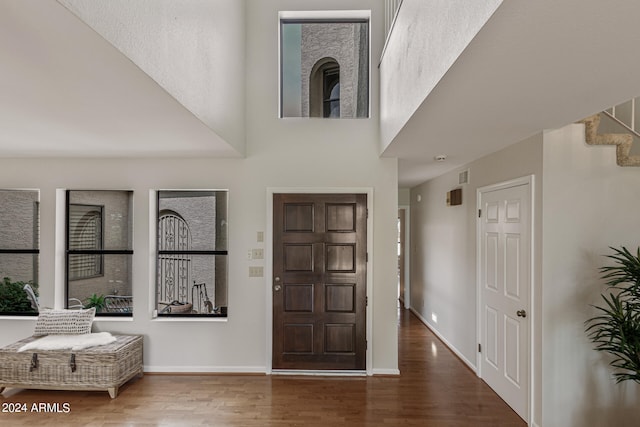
x: 104, y: 367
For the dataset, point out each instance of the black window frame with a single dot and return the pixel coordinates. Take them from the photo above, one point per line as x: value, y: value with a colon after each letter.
x: 33, y: 251
x: 212, y: 253
x: 102, y: 252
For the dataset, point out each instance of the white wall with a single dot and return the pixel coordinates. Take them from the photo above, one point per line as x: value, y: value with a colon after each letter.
x: 280, y: 153
x: 427, y: 38
x: 443, y: 248
x: 404, y: 196
x: 192, y: 48
x: 589, y: 204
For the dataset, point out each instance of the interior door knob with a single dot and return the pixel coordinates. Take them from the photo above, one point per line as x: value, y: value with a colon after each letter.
x: 521, y: 313
x: 277, y: 288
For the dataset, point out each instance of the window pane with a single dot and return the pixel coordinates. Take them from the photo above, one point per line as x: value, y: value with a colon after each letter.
x: 19, y: 267
x: 19, y: 232
x: 307, y: 49
x: 192, y: 253
x: 16, y: 299
x: 192, y: 220
x: 19, y: 219
x: 115, y: 281
x: 100, y: 220
x: 192, y: 284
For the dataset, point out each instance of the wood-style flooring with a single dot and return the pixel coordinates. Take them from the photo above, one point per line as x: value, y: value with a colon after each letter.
x: 434, y: 389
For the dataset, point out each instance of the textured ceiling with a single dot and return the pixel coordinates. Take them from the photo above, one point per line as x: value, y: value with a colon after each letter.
x: 68, y: 92
x: 535, y: 65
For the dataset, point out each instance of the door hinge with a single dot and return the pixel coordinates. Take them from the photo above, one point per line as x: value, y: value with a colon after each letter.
x: 366, y: 345
x: 479, y: 213
x: 367, y: 257
x: 479, y: 348
x: 367, y: 213
x: 366, y: 301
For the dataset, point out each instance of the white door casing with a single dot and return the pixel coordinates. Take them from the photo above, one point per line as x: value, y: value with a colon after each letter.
x: 504, y: 279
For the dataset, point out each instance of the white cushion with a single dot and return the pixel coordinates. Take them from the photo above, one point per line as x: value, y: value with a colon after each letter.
x: 64, y: 322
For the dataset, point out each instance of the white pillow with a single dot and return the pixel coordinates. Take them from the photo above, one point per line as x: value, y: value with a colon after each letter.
x: 64, y: 322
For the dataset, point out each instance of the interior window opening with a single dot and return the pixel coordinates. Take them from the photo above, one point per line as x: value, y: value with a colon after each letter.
x: 192, y: 253
x: 324, y: 68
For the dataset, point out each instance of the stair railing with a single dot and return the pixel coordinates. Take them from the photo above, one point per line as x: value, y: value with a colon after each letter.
x: 625, y: 114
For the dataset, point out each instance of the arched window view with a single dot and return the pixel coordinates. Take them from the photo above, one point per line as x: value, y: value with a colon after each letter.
x: 324, y: 68
x: 192, y: 253
x: 331, y: 92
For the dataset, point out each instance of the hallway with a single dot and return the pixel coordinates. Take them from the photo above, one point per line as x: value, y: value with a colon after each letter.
x: 434, y: 389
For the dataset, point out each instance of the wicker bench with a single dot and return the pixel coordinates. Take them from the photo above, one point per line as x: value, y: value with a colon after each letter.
x: 104, y: 367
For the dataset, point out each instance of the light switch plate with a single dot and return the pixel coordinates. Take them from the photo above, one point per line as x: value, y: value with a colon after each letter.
x: 257, y: 254
x: 256, y: 271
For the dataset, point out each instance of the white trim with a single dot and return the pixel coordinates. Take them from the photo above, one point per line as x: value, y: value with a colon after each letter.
x: 446, y: 342
x: 407, y: 255
x: 205, y: 319
x: 530, y: 181
x: 386, y: 372
x: 59, y: 291
x: 328, y: 373
x: 324, y: 14
x: 153, y: 257
x: 268, y: 259
x: 105, y: 319
x: 205, y: 369
x: 153, y: 253
x: 60, y: 237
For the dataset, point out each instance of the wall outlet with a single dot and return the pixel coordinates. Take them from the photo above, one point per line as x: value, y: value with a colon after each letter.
x: 257, y: 253
x: 260, y: 236
x: 256, y: 271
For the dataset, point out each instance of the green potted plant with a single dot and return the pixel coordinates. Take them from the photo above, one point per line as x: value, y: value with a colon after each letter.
x: 96, y: 301
x: 13, y: 298
x: 616, y: 328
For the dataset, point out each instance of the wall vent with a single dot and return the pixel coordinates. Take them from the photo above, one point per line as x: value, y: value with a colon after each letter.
x: 463, y: 177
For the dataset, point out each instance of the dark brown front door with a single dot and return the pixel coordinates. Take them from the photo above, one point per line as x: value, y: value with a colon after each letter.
x: 319, y: 281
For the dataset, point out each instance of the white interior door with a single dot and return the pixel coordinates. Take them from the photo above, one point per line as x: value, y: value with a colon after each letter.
x: 505, y: 276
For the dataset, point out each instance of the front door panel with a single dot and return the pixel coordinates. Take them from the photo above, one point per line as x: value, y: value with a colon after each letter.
x: 319, y: 281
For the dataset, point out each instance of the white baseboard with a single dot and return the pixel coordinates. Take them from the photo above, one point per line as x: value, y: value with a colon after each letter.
x: 451, y: 347
x: 386, y: 372
x: 327, y: 373
x: 258, y: 370
x: 206, y: 369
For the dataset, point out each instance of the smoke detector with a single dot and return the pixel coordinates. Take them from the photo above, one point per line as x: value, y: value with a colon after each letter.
x: 440, y: 158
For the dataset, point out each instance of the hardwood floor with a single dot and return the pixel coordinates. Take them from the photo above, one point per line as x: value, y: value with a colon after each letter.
x: 434, y: 389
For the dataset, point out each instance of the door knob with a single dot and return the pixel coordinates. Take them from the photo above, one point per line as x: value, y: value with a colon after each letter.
x: 277, y: 288
x: 521, y: 313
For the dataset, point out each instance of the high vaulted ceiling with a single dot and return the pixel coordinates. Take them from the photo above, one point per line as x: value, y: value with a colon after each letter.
x: 535, y: 65
x: 66, y: 91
